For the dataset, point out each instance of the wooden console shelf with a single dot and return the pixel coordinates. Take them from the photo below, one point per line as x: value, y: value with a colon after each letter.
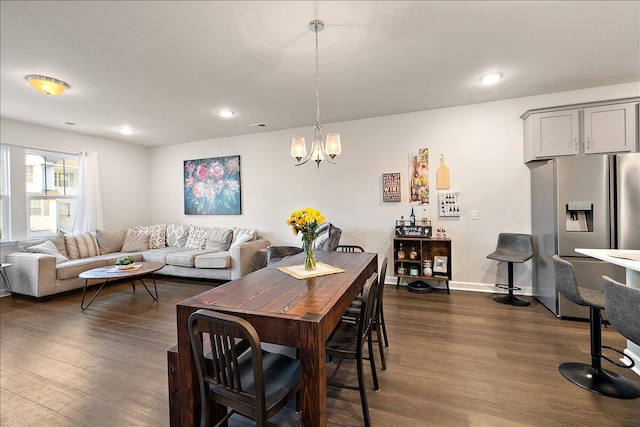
x: 425, y: 249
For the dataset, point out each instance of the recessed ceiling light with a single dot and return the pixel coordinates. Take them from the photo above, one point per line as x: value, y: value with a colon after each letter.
x: 490, y: 79
x: 226, y: 113
x: 126, y: 131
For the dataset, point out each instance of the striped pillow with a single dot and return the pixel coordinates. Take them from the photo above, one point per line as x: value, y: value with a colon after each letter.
x: 81, y: 245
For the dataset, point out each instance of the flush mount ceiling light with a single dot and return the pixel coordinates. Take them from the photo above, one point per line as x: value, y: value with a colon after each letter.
x: 126, y: 131
x: 490, y: 79
x: 226, y: 113
x: 47, y: 85
x: 319, y: 151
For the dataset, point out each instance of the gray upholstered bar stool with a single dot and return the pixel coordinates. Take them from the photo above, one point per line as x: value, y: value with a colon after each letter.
x: 591, y: 377
x: 512, y: 247
x: 622, y: 304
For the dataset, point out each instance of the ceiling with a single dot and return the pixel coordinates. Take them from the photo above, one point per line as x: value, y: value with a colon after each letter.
x: 164, y: 68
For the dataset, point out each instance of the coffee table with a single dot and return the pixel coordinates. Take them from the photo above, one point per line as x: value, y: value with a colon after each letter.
x: 110, y: 273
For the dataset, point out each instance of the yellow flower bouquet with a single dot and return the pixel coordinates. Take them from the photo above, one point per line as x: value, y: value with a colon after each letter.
x: 306, y: 221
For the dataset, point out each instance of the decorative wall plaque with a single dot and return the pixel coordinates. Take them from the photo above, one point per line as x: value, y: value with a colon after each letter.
x: 391, y: 187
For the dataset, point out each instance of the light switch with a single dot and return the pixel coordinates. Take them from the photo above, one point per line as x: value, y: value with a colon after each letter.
x: 474, y: 215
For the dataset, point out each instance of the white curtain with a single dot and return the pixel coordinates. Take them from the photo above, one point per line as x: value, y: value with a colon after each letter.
x: 89, y: 209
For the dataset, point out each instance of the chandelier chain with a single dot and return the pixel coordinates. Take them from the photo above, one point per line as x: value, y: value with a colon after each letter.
x: 318, y: 136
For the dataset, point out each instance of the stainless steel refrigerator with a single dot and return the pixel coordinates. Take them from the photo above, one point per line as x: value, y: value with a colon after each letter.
x: 589, y: 201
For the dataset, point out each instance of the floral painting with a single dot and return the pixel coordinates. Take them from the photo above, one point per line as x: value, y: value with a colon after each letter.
x: 419, y: 177
x: 212, y: 186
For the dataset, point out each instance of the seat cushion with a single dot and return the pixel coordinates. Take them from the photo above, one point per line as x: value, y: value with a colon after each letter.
x: 214, y: 260
x: 73, y: 268
x: 513, y: 247
x: 280, y: 375
x: 160, y: 255
x: 184, y: 258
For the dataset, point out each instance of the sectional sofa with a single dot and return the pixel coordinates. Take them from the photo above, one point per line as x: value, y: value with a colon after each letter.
x: 49, y: 266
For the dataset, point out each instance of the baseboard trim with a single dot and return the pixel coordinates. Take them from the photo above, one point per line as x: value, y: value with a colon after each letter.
x: 468, y: 286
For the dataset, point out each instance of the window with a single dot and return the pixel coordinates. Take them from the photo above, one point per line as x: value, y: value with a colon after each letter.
x: 29, y: 173
x: 51, y: 192
x: 5, y: 207
x: 64, y: 210
x: 61, y: 179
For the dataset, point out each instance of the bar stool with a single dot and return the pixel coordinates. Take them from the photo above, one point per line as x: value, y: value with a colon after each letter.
x: 591, y: 377
x: 622, y: 304
x: 512, y: 247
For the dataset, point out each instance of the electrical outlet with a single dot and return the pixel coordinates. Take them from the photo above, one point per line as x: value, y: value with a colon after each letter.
x: 474, y: 215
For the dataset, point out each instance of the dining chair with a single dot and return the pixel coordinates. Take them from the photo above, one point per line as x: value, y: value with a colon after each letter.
x: 254, y: 383
x: 590, y: 376
x: 349, y: 248
x: 378, y: 324
x: 328, y: 240
x: 347, y: 341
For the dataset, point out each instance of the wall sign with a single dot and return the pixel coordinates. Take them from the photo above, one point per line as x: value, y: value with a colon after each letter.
x: 391, y: 187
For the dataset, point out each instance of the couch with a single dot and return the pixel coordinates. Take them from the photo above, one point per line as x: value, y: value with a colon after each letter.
x: 49, y: 266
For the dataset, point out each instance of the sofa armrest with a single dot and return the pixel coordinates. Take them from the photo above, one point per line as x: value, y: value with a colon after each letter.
x: 247, y: 257
x: 31, y: 273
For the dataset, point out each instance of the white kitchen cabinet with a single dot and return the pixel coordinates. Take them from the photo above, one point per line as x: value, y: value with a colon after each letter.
x: 556, y: 133
x: 600, y: 127
x: 610, y: 128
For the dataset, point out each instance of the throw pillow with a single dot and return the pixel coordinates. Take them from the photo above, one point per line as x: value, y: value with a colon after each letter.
x: 48, y: 248
x: 81, y: 245
x: 197, y: 237
x: 60, y: 245
x: 158, y: 234
x: 58, y: 241
x: 242, y: 239
x: 239, y: 232
x: 110, y: 241
x: 134, y: 242
x: 219, y: 239
x: 177, y: 235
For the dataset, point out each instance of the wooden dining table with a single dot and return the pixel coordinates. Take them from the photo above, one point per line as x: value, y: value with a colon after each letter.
x: 298, y: 313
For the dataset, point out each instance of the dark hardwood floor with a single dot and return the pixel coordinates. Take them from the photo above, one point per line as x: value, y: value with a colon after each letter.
x: 454, y: 360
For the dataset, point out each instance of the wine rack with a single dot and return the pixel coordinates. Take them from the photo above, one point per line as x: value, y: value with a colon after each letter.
x: 406, y: 266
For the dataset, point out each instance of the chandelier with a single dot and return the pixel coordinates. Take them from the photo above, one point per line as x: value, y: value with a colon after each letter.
x: 319, y: 151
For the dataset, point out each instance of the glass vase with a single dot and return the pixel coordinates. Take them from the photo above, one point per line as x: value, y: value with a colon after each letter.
x: 309, y: 257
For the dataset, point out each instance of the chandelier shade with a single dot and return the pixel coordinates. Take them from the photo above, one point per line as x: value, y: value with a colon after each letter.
x: 319, y: 150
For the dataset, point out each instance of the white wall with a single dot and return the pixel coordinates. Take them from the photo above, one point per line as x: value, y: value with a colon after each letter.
x: 483, y: 147
x: 124, y: 172
x: 482, y: 144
